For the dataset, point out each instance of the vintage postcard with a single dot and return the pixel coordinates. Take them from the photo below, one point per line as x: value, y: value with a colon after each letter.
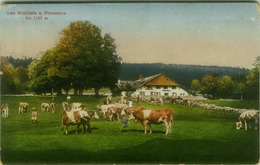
x: 147, y: 82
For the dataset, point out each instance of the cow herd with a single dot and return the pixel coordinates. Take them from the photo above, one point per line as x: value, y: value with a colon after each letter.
x: 76, y: 114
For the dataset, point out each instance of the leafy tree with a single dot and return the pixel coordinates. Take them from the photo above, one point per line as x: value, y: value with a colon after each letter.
x: 39, y: 74
x: 210, y: 85
x: 85, y: 59
x: 252, y: 82
x: 195, y: 85
x: 240, y: 89
x: 225, y: 87
x: 22, y: 75
x: 9, y: 79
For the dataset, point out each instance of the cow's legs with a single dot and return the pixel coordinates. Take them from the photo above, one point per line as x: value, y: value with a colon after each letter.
x: 118, y: 116
x: 84, y: 128
x: 111, y: 117
x: 77, y: 128
x: 256, y: 123
x: 245, y: 124
x: 145, y: 125
x: 168, y: 125
x: 88, y: 125
x: 66, y: 129
x: 150, y: 126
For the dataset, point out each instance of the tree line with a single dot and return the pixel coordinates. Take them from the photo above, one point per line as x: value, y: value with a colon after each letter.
x: 183, y: 74
x: 211, y: 81
x: 225, y: 87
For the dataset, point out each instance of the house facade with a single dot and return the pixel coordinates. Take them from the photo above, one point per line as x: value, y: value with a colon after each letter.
x: 154, y: 86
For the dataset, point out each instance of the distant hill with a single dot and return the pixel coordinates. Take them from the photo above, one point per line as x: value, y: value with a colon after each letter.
x: 19, y: 62
x: 183, y: 74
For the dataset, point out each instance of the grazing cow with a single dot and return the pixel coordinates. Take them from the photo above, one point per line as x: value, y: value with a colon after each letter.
x: 77, y: 118
x: 23, y: 107
x: 186, y: 102
x: 246, y: 117
x: 148, y: 117
x: 114, y: 113
x: 75, y: 105
x: 4, y: 110
x: 104, y: 109
x: 52, y: 107
x: 45, y: 107
x: 66, y: 106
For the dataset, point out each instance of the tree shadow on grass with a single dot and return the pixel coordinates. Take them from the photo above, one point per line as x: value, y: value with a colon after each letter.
x: 153, y: 151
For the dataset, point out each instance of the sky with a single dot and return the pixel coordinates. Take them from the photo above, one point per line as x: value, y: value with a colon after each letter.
x: 222, y: 34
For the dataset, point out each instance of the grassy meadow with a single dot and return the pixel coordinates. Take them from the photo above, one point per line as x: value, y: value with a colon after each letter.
x: 198, y: 136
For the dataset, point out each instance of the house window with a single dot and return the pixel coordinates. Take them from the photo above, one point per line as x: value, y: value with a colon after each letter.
x: 166, y: 94
x: 165, y: 87
x: 149, y: 87
x: 158, y: 87
x: 174, y: 94
x: 142, y: 93
x: 152, y: 93
x: 173, y: 87
x: 158, y: 93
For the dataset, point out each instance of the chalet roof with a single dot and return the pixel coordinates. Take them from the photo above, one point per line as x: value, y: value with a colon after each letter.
x: 155, y: 80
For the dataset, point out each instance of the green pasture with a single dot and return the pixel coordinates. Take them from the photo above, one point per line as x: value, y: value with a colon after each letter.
x: 198, y: 136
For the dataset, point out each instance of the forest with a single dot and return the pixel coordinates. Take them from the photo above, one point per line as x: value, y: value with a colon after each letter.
x: 183, y: 74
x: 233, y: 82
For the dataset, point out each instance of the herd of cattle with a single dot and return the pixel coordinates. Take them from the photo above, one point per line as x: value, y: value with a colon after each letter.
x: 76, y: 113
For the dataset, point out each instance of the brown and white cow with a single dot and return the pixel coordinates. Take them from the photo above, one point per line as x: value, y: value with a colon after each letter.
x: 149, y: 117
x: 114, y: 113
x: 246, y: 117
x: 52, y: 107
x: 23, y: 107
x: 77, y: 118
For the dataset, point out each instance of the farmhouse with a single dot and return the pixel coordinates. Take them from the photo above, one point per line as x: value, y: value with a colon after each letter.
x: 154, y: 86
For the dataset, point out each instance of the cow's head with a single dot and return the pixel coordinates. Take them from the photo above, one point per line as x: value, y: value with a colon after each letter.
x: 98, y: 107
x: 84, y: 114
x: 131, y: 116
x: 238, y: 125
x: 96, y: 115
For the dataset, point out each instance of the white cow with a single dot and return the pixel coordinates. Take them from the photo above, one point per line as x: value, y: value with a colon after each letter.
x: 45, y: 107
x: 246, y: 116
x: 5, y: 110
x: 23, y: 107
